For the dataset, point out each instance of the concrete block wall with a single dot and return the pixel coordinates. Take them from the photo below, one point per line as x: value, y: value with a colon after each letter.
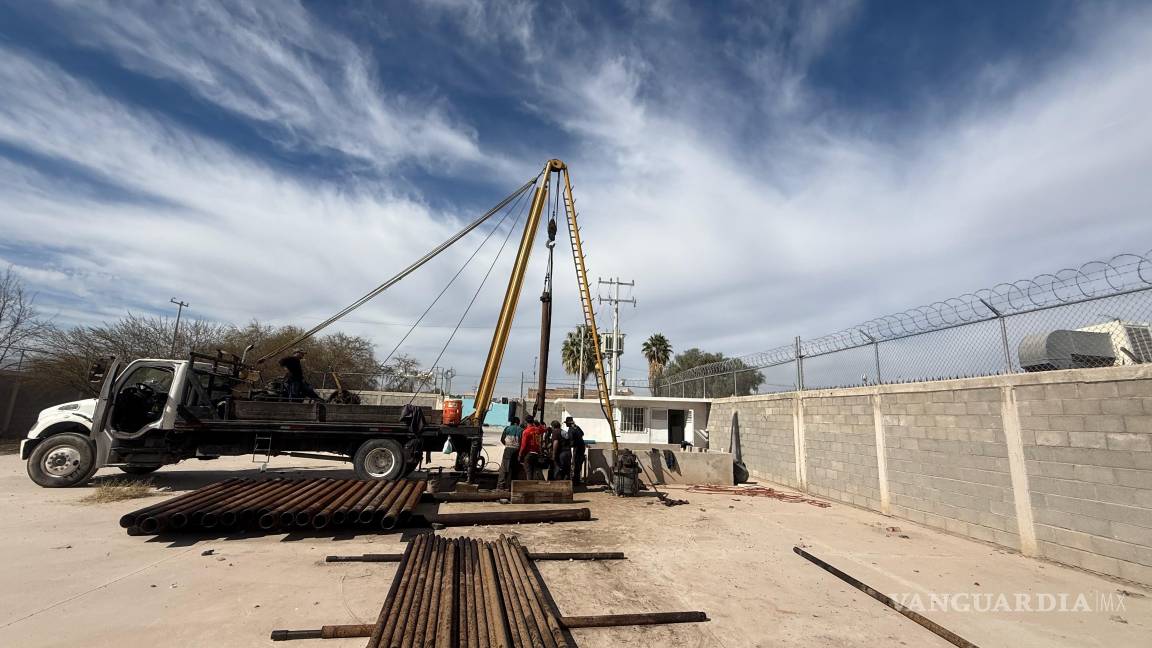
x: 1054, y: 464
x: 948, y: 463
x: 1088, y: 453
x: 766, y: 433
x: 840, y: 448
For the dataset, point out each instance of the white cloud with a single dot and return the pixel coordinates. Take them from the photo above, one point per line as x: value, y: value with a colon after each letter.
x: 736, y: 242
x: 307, y: 85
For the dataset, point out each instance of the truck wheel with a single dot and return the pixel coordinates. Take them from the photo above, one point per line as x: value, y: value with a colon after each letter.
x: 139, y: 470
x: 379, y: 459
x: 62, y: 460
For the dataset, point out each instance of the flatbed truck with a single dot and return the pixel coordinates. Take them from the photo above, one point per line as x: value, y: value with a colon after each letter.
x: 156, y: 412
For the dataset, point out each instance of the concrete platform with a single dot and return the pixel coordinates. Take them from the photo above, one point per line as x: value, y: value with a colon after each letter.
x: 668, y: 465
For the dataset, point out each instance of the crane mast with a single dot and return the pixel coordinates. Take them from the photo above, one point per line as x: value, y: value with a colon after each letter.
x: 487, y: 386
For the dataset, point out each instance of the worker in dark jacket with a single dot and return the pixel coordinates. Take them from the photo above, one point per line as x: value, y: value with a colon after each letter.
x: 579, y: 449
x: 561, y: 453
x: 298, y: 389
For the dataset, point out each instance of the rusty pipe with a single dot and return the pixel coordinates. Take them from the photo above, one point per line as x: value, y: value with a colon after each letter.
x: 392, y: 513
x: 273, y: 517
x: 511, y: 517
x: 378, y: 507
x: 339, y: 514
x: 211, y: 517
x: 130, y: 519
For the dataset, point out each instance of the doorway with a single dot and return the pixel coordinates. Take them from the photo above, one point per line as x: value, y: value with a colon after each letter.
x: 676, y: 426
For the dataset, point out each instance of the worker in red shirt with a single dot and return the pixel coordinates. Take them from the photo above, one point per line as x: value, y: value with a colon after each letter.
x: 530, y: 448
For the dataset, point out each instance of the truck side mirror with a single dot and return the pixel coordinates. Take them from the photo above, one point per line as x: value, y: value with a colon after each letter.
x: 97, y: 369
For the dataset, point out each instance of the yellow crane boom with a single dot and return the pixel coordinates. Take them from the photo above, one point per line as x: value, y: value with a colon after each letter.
x: 487, y: 386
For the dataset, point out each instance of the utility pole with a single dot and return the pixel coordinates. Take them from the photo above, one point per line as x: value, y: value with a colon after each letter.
x: 615, y: 301
x: 176, y: 331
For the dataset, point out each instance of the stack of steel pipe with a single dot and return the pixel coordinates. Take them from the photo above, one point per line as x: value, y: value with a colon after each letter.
x: 281, y: 504
x: 466, y: 592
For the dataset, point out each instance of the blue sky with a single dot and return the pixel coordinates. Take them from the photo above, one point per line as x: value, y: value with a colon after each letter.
x: 761, y: 169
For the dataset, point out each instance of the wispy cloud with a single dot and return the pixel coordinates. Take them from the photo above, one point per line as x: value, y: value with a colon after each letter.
x: 307, y: 85
x: 747, y: 213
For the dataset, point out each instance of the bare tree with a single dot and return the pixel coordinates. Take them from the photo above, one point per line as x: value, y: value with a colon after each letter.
x: 67, y: 353
x: 403, y: 374
x: 20, y: 323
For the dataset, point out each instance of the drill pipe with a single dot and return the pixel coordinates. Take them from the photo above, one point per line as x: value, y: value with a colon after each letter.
x: 569, y: 622
x: 497, y: 618
x: 130, y: 519
x: 176, y: 516
x: 339, y: 513
x: 429, y: 607
x: 418, y: 611
x: 355, y: 509
x: 404, y: 595
x: 273, y: 516
x: 390, y: 601
x: 323, y: 516
x: 521, y: 617
x: 389, y: 515
x: 319, y: 503
x: 483, y: 637
x: 445, y: 637
x: 548, y: 613
x: 378, y: 505
x: 467, y: 597
x: 250, y: 515
x: 534, y: 555
x: 510, y: 517
x: 540, y: 612
x: 211, y: 516
x: 298, y: 515
x: 413, y: 499
x: 242, y: 512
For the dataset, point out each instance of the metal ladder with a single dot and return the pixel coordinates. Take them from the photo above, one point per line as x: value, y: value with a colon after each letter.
x: 586, y: 304
x: 263, y: 446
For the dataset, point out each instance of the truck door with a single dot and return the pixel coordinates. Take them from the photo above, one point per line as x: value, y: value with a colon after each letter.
x: 141, y: 396
x: 100, y: 433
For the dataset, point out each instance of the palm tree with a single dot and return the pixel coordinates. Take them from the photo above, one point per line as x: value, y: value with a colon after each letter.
x: 570, y: 355
x: 657, y: 350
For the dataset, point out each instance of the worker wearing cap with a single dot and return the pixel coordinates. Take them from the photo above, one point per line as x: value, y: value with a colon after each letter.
x: 575, y: 438
x: 298, y: 389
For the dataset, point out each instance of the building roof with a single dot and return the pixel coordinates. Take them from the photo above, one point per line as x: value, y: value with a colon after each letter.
x: 630, y: 399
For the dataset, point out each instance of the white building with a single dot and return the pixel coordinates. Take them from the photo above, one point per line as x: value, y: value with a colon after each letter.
x: 1135, y: 337
x: 641, y: 419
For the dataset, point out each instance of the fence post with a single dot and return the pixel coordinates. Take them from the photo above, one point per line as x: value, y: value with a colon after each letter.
x: 799, y: 366
x: 875, y: 353
x: 1003, y: 335
x: 704, y: 385
x: 733, y: 383
x: 15, y: 392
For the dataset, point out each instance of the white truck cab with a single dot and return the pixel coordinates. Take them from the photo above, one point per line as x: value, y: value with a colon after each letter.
x: 71, y: 441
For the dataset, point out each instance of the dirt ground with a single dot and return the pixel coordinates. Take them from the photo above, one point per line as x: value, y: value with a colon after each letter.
x: 71, y: 576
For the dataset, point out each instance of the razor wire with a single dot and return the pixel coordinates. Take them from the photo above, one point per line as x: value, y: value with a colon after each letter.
x: 1123, y: 274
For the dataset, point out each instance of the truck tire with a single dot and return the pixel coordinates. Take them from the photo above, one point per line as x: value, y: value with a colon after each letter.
x: 379, y: 459
x: 139, y: 470
x: 63, y: 460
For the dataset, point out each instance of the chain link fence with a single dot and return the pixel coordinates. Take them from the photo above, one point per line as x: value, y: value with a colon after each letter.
x: 1097, y: 315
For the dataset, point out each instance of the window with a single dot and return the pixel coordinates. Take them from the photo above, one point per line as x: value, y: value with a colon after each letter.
x: 632, y: 419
